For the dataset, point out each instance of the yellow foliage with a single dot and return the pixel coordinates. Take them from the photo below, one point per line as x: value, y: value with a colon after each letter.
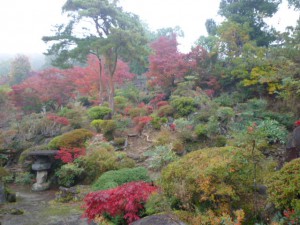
x: 264, y: 75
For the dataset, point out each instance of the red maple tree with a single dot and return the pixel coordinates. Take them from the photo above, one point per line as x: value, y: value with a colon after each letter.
x: 166, y: 64
x: 126, y: 201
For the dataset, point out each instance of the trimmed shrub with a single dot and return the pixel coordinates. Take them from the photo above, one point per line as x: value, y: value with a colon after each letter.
x: 114, y: 178
x: 283, y: 186
x: 102, y: 159
x: 107, y: 127
x: 212, y: 179
x: 99, y: 112
x: 183, y: 105
x: 75, y: 138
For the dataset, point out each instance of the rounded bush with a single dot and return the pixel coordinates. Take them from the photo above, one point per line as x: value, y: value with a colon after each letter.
x: 183, y: 105
x: 116, y: 178
x: 99, y: 112
x: 213, y: 178
x: 74, y: 138
x: 284, y: 186
x: 68, y: 174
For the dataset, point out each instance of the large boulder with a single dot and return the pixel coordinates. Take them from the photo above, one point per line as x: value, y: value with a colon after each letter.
x: 162, y: 219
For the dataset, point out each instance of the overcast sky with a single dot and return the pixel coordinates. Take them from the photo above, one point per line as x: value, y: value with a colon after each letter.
x: 24, y: 22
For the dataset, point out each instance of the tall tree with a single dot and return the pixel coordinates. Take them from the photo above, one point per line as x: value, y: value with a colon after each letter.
x: 114, y: 34
x: 252, y: 13
x: 19, y: 69
x: 166, y: 64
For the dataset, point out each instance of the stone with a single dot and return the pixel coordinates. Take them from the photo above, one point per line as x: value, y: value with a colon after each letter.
x: 38, y: 166
x: 41, y: 177
x: 67, y: 194
x: 40, y: 187
x: 11, y: 197
x: 163, y: 219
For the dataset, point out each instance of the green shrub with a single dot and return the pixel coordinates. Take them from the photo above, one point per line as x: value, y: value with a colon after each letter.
x: 211, y: 179
x: 76, y: 115
x: 183, y: 105
x: 119, y: 141
x: 283, y: 186
x: 99, y: 112
x: 224, y: 114
x: 219, y: 141
x: 120, y: 102
x: 107, y: 127
x: 273, y: 131
x: 165, y: 110
x: 75, y: 138
x: 160, y: 157
x: 116, y: 178
x: 157, y: 122
x: 101, y: 159
x: 24, y: 178
x: 135, y: 112
x: 157, y: 203
x: 68, y: 174
x: 201, y: 131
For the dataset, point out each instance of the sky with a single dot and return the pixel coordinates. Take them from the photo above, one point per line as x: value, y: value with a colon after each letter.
x: 24, y: 22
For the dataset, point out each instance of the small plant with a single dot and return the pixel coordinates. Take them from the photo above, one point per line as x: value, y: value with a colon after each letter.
x: 107, y: 127
x: 68, y: 174
x: 114, y: 178
x: 24, y: 178
x: 126, y: 202
x: 160, y: 157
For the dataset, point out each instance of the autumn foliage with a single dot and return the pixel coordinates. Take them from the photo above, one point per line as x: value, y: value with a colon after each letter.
x: 68, y: 155
x: 126, y: 201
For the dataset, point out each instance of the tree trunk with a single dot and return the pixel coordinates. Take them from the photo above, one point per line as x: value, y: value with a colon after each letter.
x: 111, y: 94
x: 101, y: 88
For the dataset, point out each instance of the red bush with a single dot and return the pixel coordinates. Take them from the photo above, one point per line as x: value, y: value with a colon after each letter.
x: 297, y: 123
x: 158, y: 98
x: 161, y: 103
x: 68, y: 155
x: 126, y: 201
x: 58, y: 119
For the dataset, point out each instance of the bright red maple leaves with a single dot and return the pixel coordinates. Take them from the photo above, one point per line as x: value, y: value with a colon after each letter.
x: 126, y: 201
x: 167, y: 63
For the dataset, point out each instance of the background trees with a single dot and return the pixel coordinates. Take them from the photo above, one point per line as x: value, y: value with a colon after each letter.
x: 114, y: 34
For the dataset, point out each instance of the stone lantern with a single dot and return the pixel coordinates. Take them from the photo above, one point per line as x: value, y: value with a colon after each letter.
x: 42, y: 165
